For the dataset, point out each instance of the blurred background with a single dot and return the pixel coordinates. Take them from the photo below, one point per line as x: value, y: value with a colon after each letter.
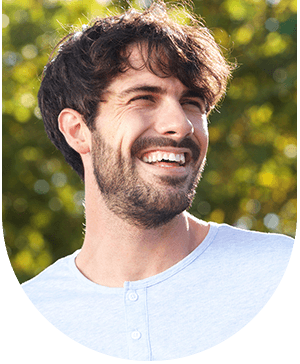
x: 250, y: 177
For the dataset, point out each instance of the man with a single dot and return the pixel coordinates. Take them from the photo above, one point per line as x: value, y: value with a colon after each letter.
x: 126, y: 101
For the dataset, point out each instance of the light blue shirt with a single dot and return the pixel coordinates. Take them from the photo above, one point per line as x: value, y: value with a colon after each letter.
x: 196, y: 304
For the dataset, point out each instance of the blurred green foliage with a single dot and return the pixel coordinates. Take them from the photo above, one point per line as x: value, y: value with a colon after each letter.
x: 250, y: 178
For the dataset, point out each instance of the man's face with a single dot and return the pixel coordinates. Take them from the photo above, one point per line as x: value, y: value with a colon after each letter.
x: 149, y: 146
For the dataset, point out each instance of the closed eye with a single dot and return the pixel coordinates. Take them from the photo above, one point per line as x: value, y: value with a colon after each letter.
x: 192, y: 103
x: 143, y: 97
x: 199, y: 104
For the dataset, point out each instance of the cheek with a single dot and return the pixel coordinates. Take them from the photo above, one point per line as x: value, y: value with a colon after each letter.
x: 201, y: 131
x: 121, y: 129
x: 135, y: 127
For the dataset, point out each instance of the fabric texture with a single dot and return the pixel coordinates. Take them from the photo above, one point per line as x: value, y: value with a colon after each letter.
x: 194, y: 305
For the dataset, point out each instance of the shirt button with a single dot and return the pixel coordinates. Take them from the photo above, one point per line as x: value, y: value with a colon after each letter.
x: 132, y: 296
x: 135, y: 335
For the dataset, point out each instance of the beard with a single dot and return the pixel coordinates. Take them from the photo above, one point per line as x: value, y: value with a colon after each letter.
x: 135, y: 200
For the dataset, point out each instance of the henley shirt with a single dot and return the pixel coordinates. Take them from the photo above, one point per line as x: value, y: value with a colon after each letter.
x: 194, y: 305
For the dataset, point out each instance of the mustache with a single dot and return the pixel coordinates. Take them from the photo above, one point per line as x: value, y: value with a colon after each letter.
x: 143, y: 143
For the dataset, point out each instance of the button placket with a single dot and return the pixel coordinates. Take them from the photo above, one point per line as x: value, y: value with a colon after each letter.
x: 137, y: 324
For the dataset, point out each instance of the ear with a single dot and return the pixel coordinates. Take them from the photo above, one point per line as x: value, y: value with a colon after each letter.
x: 74, y: 129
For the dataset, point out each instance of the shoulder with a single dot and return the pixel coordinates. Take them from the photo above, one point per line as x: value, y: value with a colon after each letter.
x: 52, y: 280
x: 230, y: 235
x: 233, y: 233
x: 251, y: 247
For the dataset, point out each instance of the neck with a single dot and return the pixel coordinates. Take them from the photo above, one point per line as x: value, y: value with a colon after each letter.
x: 114, y: 251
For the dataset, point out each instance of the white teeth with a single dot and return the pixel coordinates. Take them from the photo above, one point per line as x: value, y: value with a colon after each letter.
x: 165, y: 156
x: 159, y: 156
x: 172, y: 157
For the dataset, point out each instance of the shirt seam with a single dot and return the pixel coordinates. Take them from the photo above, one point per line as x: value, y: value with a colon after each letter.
x: 135, y: 286
x: 148, y: 328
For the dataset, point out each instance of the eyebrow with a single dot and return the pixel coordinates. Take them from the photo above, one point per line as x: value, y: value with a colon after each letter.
x: 192, y: 93
x: 142, y: 88
x: 157, y: 90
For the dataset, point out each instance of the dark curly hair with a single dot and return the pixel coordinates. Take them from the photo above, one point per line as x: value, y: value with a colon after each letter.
x: 87, y: 61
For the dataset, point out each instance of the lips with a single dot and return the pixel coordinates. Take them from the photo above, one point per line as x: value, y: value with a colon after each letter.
x: 158, y: 150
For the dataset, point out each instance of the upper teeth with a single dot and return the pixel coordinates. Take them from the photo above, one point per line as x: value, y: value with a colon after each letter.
x: 159, y: 156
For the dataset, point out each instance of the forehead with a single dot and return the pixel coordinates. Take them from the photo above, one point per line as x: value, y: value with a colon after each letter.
x: 137, y: 54
x: 138, y: 74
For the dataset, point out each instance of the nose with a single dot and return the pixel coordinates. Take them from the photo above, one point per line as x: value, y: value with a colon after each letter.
x: 172, y: 121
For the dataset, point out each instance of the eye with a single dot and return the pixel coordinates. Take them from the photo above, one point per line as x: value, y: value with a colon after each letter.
x: 142, y: 97
x: 195, y: 105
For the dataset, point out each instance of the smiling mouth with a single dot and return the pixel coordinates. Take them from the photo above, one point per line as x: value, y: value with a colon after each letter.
x: 162, y: 158
x: 165, y: 152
